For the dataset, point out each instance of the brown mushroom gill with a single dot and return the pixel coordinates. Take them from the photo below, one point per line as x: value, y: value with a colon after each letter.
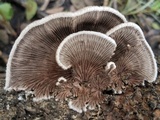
x: 78, y: 55
x: 32, y: 60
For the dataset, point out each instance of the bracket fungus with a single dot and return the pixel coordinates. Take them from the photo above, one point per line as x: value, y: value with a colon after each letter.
x: 77, y: 56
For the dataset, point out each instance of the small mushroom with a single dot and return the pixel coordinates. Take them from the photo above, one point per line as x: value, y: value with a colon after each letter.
x: 84, y: 48
x: 86, y: 52
x: 77, y: 56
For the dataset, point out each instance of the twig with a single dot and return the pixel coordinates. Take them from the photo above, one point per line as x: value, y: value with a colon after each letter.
x: 8, y: 27
x: 106, y: 2
x: 155, y: 18
x: 44, y: 6
x: 115, y: 4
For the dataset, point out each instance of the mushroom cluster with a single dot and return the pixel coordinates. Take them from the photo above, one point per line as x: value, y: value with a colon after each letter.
x: 77, y: 56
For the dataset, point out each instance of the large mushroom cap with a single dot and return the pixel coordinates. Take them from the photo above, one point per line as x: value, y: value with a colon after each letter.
x: 32, y: 64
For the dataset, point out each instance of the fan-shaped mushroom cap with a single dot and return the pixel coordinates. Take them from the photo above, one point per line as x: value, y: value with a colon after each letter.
x: 85, y: 46
x: 133, y: 52
x: 32, y: 64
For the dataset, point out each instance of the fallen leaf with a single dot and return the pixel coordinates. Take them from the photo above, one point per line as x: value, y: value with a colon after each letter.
x: 156, y: 26
x: 31, y: 9
x: 54, y: 10
x: 6, y: 11
x: 78, y: 4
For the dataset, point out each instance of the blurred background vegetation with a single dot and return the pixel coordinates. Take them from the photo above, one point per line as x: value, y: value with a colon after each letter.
x: 15, y: 15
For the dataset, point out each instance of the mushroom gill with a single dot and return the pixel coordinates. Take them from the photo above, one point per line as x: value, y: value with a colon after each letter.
x: 76, y: 56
